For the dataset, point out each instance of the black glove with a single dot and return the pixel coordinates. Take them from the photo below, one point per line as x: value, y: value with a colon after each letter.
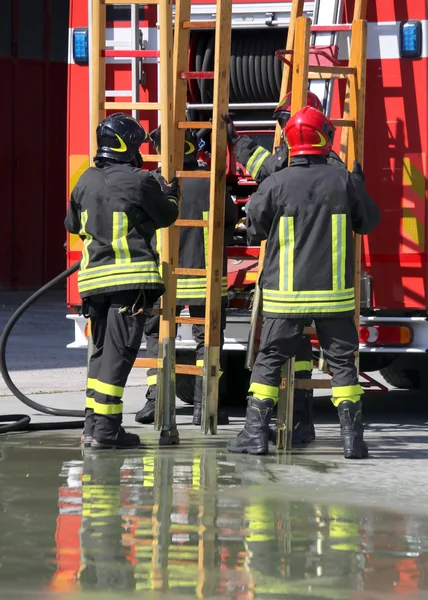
x: 232, y: 136
x: 357, y: 170
x: 172, y: 189
x: 155, y: 138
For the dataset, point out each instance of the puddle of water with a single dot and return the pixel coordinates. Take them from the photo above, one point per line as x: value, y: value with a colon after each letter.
x: 193, y: 523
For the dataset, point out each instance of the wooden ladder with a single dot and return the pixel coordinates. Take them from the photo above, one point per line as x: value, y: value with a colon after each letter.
x: 173, y: 158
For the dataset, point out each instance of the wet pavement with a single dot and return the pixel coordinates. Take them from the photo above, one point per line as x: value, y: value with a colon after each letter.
x: 194, y: 522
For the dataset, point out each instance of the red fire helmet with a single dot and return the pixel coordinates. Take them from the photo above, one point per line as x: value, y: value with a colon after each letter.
x: 283, y: 110
x: 309, y: 131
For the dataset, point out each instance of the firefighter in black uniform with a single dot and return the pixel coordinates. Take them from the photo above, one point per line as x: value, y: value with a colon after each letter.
x: 261, y: 163
x: 115, y: 208
x: 307, y: 213
x: 191, y: 290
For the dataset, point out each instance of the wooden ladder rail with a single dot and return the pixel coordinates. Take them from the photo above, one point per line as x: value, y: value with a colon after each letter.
x: 351, y: 149
x: 99, y: 105
x: 165, y: 405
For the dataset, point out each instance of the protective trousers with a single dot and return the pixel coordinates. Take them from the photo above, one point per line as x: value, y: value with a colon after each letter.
x: 116, y: 335
x: 280, y: 341
x: 151, y: 332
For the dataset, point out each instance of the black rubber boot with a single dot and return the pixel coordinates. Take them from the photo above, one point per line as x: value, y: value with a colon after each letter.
x: 351, y: 429
x: 121, y: 441
x: 147, y: 414
x: 222, y: 418
x: 303, y: 428
x: 109, y: 433
x: 253, y: 439
x: 88, y: 429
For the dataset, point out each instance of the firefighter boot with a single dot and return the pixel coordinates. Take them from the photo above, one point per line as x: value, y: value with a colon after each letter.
x: 253, y: 439
x: 109, y: 433
x: 351, y: 429
x: 88, y: 428
x: 222, y: 418
x: 146, y: 415
x: 303, y: 427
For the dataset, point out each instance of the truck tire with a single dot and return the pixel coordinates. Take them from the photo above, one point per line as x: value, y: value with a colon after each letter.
x: 401, y: 375
x: 238, y: 379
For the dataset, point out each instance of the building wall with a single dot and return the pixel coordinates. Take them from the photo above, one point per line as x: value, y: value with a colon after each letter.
x: 33, y: 102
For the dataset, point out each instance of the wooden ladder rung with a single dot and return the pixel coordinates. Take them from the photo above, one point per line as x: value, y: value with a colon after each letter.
x: 191, y: 223
x: 332, y: 70
x: 131, y: 105
x: 190, y: 320
x: 343, y: 122
x: 198, y: 24
x: 193, y: 174
x: 197, y: 272
x: 323, y: 76
x: 312, y: 384
x: 194, y: 125
x: 151, y: 157
x: 155, y: 363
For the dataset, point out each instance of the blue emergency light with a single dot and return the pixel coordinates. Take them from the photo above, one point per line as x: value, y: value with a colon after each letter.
x: 80, y: 46
x: 410, y: 39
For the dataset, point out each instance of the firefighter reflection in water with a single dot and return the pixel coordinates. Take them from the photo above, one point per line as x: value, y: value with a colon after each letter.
x: 168, y: 523
x: 260, y: 164
x: 191, y: 290
x: 308, y: 213
x: 116, y: 208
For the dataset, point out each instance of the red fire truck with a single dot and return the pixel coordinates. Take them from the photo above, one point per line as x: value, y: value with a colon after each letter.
x: 394, y: 299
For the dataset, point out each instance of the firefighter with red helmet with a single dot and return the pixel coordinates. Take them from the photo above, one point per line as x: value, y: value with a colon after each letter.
x: 308, y: 213
x: 191, y: 290
x: 116, y: 208
x: 261, y: 163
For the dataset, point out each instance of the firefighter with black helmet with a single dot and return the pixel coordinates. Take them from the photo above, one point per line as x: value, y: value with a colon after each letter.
x: 261, y: 163
x: 116, y: 209
x: 308, y: 213
x: 191, y: 290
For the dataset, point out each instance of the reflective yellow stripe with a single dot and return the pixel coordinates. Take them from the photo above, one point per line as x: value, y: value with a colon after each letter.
x: 119, y: 240
x: 90, y: 402
x: 108, y: 409
x: 286, y: 253
x: 159, y: 248
x: 150, y: 278
x: 152, y: 379
x: 308, y: 307
x: 205, y: 217
x: 90, y: 383
x: 256, y: 160
x: 108, y: 389
x: 87, y: 239
x: 146, y: 266
x: 196, y: 474
x: 347, y: 390
x: 303, y: 365
x: 338, y: 249
x: 309, y: 296
x: 262, y: 391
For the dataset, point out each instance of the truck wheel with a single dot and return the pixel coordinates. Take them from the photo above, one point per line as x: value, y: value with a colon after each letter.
x: 185, y: 384
x: 400, y: 374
